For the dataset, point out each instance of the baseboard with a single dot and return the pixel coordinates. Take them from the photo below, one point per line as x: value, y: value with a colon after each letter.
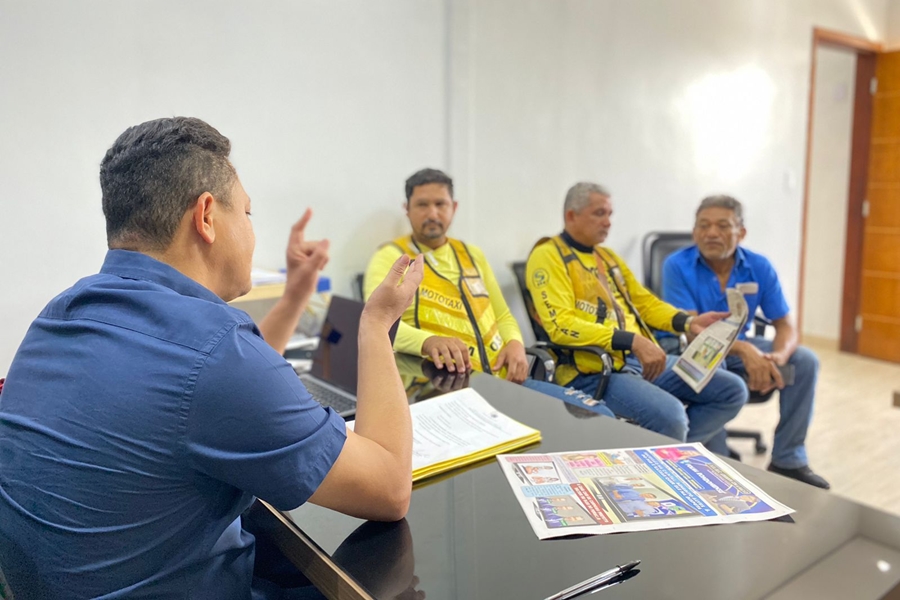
x: 820, y: 342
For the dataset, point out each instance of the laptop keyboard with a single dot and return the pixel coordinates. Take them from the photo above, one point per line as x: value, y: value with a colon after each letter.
x: 328, y: 397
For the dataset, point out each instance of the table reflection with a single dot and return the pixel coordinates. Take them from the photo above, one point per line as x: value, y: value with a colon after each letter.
x: 379, y: 556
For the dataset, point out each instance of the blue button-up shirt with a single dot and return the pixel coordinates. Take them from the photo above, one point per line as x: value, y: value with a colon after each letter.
x: 140, y: 417
x: 690, y: 284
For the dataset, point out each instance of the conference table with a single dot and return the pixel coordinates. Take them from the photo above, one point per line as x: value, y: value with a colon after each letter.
x: 466, y: 536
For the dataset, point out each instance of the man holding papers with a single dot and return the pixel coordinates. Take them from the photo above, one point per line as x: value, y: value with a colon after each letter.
x: 584, y: 294
x: 695, y: 279
x: 459, y: 318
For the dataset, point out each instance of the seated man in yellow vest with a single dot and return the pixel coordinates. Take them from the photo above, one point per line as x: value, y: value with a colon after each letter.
x: 459, y: 318
x: 586, y: 295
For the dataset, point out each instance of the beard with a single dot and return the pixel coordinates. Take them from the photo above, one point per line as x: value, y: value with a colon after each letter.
x: 432, y: 230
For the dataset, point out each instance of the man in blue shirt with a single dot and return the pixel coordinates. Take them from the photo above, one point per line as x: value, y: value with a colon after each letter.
x: 695, y: 279
x: 142, y: 414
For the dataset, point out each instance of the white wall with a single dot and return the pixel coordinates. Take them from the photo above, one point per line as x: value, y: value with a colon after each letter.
x: 828, y: 192
x: 328, y: 104
x: 333, y: 104
x: 663, y: 102
x: 893, y: 25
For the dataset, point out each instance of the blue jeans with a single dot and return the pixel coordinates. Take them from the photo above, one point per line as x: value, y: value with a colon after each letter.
x: 795, y: 405
x: 570, y: 396
x: 660, y: 405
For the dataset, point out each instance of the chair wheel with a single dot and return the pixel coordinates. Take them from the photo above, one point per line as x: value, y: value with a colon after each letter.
x: 761, y: 448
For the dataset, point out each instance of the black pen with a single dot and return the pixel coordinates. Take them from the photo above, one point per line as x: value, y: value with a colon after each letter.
x: 594, y: 582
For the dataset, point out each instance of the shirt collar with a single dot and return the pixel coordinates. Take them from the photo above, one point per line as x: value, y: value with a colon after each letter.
x: 740, y: 257
x: 415, y: 247
x: 136, y: 265
x: 568, y: 239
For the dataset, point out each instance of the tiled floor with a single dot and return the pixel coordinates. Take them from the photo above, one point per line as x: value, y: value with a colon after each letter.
x: 854, y: 441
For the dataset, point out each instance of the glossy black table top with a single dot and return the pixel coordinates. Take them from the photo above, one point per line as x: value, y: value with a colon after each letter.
x: 466, y: 536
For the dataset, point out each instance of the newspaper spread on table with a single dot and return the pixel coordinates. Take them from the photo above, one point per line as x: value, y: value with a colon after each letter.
x: 632, y: 489
x: 701, y: 358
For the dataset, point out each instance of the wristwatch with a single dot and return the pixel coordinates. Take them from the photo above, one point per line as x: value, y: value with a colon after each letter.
x: 687, y: 323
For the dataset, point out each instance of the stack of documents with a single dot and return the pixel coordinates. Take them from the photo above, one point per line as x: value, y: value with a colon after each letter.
x: 461, y: 428
x: 266, y: 277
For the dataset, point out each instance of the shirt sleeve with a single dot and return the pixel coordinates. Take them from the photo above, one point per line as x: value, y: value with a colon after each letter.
x: 506, y: 322
x: 252, y: 423
x: 675, y: 288
x: 409, y: 340
x: 771, y: 297
x: 554, y: 300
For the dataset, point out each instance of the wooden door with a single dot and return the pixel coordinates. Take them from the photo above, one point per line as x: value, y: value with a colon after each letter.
x: 878, y: 324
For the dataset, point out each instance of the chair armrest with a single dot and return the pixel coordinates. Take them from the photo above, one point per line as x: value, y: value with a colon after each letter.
x: 759, y: 325
x: 602, y: 354
x: 543, y: 366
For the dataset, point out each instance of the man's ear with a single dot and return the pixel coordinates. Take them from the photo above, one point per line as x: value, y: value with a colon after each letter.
x: 742, y: 234
x: 202, y: 217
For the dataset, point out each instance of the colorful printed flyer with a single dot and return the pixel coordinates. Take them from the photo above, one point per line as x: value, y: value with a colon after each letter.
x: 632, y: 489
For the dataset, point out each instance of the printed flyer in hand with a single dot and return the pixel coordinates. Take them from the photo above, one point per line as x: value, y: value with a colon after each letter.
x: 632, y: 489
x: 702, y: 357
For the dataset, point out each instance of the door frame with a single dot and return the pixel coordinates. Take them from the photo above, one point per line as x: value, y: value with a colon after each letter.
x: 866, y: 52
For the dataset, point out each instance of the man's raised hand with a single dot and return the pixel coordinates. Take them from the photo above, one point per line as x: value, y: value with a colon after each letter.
x: 396, y: 292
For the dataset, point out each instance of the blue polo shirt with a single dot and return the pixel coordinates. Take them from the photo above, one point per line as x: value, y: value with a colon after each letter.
x: 140, y: 417
x: 690, y: 284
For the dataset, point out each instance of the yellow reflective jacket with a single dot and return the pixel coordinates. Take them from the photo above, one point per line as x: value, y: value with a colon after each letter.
x: 575, y: 308
x: 460, y: 309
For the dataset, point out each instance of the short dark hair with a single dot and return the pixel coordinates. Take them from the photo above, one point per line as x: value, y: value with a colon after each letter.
x: 723, y: 201
x: 152, y: 175
x: 426, y: 176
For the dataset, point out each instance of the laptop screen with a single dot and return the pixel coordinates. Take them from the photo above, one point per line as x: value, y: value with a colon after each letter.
x: 337, y: 356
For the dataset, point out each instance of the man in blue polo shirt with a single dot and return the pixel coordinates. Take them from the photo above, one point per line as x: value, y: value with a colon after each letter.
x: 695, y: 279
x: 142, y: 414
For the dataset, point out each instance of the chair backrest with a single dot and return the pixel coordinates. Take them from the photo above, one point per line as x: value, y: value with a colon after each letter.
x: 539, y: 333
x: 656, y: 247
x: 358, y: 280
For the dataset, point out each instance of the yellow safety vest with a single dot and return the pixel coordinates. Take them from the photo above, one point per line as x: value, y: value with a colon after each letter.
x: 460, y: 309
x: 594, y: 303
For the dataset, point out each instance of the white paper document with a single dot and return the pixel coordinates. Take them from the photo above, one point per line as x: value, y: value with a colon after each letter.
x: 265, y: 276
x: 461, y: 428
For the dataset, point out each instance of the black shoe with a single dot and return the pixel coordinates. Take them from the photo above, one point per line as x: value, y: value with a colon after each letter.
x: 804, y: 474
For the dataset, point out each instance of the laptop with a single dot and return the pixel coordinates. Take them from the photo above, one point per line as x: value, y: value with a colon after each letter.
x: 335, y: 362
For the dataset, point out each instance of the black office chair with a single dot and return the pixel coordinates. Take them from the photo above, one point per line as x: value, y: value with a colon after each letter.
x: 358, y: 281
x: 657, y: 246
x: 543, y: 339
